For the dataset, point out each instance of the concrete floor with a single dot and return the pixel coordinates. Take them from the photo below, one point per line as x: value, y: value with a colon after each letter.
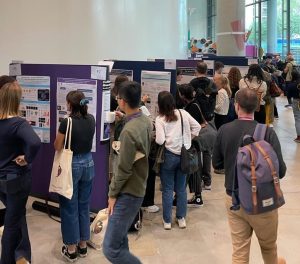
x: 206, y: 239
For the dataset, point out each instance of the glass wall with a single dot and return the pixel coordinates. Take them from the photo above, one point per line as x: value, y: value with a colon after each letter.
x: 295, y: 29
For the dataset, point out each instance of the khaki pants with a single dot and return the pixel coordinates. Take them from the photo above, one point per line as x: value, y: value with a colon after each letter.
x: 242, y: 226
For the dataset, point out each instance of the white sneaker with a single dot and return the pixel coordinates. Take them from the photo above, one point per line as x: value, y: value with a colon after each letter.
x: 152, y: 209
x: 181, y: 222
x: 167, y: 226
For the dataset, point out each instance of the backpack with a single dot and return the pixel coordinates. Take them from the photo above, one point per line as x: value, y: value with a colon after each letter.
x: 257, y: 170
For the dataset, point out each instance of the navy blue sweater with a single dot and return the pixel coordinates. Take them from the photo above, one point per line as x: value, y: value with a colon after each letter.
x: 17, y: 138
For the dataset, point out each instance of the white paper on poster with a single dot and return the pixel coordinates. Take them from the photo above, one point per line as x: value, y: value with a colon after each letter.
x: 170, y: 64
x: 35, y: 104
x: 15, y: 69
x: 154, y: 82
x: 210, y: 64
x: 98, y: 73
x: 116, y: 72
x: 66, y: 85
x: 252, y: 61
x: 110, y: 64
x: 105, y: 126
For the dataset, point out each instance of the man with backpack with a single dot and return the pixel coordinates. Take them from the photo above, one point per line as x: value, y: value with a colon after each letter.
x: 247, y: 180
x: 206, y: 92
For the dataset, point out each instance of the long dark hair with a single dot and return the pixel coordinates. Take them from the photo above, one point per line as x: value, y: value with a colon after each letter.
x: 166, y: 106
x: 78, y: 103
x: 255, y: 71
x: 234, y: 77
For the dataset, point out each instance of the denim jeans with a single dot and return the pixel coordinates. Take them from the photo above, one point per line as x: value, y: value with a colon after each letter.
x: 173, y: 179
x: 115, y: 244
x: 75, y: 213
x: 15, y: 239
x: 296, y: 111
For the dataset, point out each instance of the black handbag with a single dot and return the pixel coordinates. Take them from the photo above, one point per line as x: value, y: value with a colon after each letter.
x: 189, y: 157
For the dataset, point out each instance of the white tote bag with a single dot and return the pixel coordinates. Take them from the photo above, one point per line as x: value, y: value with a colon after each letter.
x: 61, y: 175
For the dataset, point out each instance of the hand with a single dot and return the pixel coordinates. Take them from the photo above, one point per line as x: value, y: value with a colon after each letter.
x: 111, y: 205
x: 20, y: 160
x: 203, y: 124
x: 119, y: 115
x: 145, y: 98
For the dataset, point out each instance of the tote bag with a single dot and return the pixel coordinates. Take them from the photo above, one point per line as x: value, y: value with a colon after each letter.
x: 61, y: 176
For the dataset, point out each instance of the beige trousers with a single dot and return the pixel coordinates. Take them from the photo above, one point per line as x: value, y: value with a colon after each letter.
x: 242, y: 226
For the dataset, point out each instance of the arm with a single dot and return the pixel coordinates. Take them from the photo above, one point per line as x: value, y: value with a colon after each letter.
x: 217, y: 157
x: 60, y: 137
x: 31, y: 141
x: 277, y: 148
x: 160, y: 132
x: 126, y: 160
x: 221, y: 97
x: 194, y: 125
x: 286, y: 69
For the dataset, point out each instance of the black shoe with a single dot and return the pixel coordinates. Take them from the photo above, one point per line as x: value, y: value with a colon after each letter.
x: 196, y: 201
x: 71, y: 257
x: 82, y: 252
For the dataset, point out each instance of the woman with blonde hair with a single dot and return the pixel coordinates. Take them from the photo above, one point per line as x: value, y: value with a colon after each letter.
x: 19, y: 145
x: 222, y: 102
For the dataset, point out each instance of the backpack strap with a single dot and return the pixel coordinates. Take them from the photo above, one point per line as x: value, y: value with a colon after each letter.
x: 260, y: 132
x: 253, y: 179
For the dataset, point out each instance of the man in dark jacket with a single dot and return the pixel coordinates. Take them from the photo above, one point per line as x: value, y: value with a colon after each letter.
x: 206, y: 92
x: 225, y: 151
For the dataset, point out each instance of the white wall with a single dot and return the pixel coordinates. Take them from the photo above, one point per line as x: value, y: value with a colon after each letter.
x: 85, y: 31
x: 198, y: 19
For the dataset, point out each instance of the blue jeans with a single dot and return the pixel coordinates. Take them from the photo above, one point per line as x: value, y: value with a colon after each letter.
x: 296, y: 112
x: 173, y: 179
x: 75, y: 213
x: 115, y: 244
x: 15, y: 240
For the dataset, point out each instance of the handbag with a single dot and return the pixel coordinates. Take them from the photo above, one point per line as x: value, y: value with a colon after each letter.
x: 61, y: 176
x: 189, y: 158
x: 275, y: 91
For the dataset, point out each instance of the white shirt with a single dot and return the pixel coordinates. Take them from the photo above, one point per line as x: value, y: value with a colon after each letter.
x: 170, y: 132
x: 222, y: 102
x: 258, y: 87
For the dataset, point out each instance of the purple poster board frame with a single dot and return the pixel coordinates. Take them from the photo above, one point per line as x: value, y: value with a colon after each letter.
x: 41, y: 169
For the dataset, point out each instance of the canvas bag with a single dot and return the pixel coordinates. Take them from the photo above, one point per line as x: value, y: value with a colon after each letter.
x: 189, y: 158
x: 257, y: 170
x: 61, y: 176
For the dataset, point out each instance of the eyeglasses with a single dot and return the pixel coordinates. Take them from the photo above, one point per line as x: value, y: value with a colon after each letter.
x: 118, y: 97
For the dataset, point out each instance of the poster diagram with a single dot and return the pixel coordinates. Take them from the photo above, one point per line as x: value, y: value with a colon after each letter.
x: 105, y: 126
x: 115, y: 72
x: 35, y: 104
x: 88, y: 87
x: 154, y: 82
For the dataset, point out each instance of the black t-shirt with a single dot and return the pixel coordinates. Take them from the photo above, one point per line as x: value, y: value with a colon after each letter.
x: 17, y: 138
x: 83, y: 129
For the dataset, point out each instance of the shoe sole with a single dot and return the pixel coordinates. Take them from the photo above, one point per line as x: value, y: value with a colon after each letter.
x: 69, y: 260
x: 82, y: 255
x: 194, y: 205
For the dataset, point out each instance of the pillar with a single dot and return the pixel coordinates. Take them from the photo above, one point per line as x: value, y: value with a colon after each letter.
x: 272, y: 26
x: 230, y: 28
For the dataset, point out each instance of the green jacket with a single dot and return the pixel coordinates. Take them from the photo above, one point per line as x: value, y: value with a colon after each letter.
x: 131, y: 176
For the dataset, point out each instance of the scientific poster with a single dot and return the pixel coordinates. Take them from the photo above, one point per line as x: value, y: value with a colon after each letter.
x: 154, y: 82
x: 105, y: 126
x: 188, y: 74
x: 35, y: 104
x: 88, y: 87
x: 115, y: 72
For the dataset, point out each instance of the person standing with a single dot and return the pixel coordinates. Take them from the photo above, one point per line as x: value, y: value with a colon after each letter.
x: 290, y: 63
x: 206, y: 92
x: 19, y: 146
x: 169, y: 125
x: 254, y: 80
x: 242, y: 224
x: 75, y: 213
x: 222, y: 103
x: 128, y: 185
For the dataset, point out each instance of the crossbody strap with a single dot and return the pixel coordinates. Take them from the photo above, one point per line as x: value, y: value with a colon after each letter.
x: 200, y: 112
x: 181, y: 119
x: 68, y: 135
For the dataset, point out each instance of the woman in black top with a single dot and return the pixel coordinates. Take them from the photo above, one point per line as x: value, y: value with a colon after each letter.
x: 75, y: 213
x: 293, y: 89
x: 19, y: 145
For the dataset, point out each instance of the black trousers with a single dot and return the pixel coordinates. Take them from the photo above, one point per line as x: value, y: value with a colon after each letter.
x: 15, y: 242
x: 150, y: 189
x: 220, y: 120
x: 260, y: 116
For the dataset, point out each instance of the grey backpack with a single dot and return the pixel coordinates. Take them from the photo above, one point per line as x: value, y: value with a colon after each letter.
x: 257, y: 169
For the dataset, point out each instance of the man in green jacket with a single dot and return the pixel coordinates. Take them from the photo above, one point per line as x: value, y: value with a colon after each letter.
x: 128, y: 185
